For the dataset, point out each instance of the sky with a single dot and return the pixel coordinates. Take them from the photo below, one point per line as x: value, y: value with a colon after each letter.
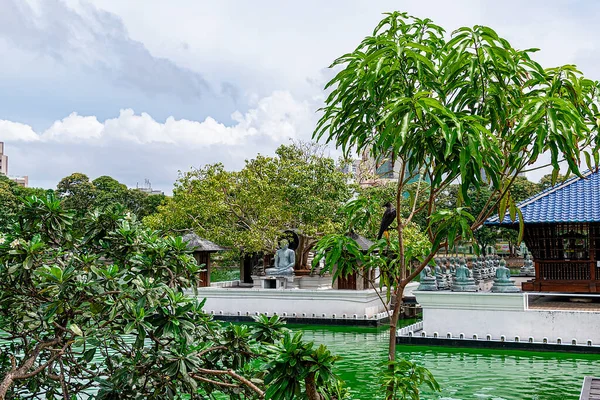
x: 143, y: 89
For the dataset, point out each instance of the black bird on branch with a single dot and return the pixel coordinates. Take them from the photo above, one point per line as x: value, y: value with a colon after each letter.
x: 389, y: 216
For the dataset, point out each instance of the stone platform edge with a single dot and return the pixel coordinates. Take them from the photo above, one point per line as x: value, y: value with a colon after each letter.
x: 370, y: 322
x: 413, y: 335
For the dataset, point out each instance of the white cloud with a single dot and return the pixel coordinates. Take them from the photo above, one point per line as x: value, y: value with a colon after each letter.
x: 15, y: 131
x: 276, y: 117
x: 132, y: 147
x: 73, y: 128
x: 201, y: 61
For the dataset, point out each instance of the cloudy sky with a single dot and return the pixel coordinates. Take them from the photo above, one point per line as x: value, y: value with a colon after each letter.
x: 141, y: 89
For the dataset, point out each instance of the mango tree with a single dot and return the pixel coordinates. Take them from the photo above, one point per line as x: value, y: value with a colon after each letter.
x: 465, y: 109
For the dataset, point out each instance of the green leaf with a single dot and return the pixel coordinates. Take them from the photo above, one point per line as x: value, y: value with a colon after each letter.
x: 75, y: 329
x: 521, y: 227
x: 89, y: 354
x: 512, y: 210
x: 502, y: 206
x: 588, y: 161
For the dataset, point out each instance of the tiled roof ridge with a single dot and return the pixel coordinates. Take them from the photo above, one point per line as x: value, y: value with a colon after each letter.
x: 554, y: 188
x: 494, y: 220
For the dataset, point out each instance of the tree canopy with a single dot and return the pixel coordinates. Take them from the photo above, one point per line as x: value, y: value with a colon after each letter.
x: 467, y: 109
x: 81, y: 195
x: 10, y: 200
x: 113, y: 312
x: 249, y: 209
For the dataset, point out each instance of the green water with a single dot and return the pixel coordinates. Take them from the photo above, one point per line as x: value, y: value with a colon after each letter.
x: 462, y: 373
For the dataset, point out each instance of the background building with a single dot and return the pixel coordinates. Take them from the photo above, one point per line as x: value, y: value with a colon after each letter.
x: 562, y: 230
x: 147, y: 188
x: 371, y: 171
x: 19, y: 180
x: 3, y: 160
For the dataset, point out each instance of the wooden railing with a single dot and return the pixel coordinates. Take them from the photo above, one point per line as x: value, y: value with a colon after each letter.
x: 566, y: 271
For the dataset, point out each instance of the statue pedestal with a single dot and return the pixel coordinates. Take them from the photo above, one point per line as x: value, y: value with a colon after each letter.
x: 427, y: 284
x: 315, y: 282
x: 274, y: 282
x: 524, y: 271
x: 504, y: 287
x: 441, y: 282
x: 467, y: 285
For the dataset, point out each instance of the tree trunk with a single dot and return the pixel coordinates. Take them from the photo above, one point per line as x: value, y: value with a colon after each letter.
x: 394, y: 323
x: 311, y: 387
x: 400, y: 283
x: 21, y: 372
x: 305, y: 245
x: 6, y: 384
x: 300, y: 252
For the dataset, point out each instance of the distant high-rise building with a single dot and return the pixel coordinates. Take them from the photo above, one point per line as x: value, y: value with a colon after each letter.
x: 147, y: 188
x: 384, y: 169
x: 3, y: 160
x: 19, y: 180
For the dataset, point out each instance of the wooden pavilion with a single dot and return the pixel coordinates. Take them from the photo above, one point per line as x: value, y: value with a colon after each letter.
x: 356, y: 281
x: 562, y: 231
x: 202, y: 249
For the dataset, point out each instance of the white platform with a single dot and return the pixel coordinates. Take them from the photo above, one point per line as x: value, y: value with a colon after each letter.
x: 504, y: 316
x: 299, y: 303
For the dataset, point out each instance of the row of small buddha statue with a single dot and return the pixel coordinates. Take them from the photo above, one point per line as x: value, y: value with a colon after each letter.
x: 454, y: 274
x: 527, y: 269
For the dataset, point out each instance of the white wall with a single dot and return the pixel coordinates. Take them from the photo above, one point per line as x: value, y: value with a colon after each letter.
x: 503, y: 314
x: 240, y: 301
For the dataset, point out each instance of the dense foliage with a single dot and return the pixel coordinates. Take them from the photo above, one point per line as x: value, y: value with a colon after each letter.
x: 80, y: 195
x: 407, y: 377
x: 10, y: 195
x: 299, y: 189
x: 343, y: 256
x: 466, y: 109
x: 112, y: 312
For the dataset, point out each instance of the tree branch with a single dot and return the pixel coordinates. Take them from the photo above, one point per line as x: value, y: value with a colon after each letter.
x: 234, y: 375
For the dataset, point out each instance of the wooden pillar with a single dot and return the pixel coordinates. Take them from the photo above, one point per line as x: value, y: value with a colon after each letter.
x: 537, y: 285
x: 592, y: 253
x: 592, y: 258
x: 247, y: 263
x: 203, y: 258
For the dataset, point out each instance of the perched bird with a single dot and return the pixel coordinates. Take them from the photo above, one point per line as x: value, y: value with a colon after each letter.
x: 389, y: 216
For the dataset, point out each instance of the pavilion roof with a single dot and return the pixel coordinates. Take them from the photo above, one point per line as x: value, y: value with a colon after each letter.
x: 364, y: 243
x: 196, y: 243
x: 575, y: 200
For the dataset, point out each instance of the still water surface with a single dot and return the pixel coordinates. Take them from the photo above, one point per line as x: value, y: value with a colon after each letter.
x: 462, y: 373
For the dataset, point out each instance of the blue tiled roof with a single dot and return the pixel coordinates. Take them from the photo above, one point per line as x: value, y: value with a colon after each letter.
x: 575, y: 200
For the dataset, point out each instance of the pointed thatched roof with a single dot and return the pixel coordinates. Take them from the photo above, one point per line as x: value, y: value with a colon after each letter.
x: 364, y: 243
x: 196, y: 243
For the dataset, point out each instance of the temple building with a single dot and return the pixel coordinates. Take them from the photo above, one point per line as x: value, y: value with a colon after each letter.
x: 562, y: 231
x: 201, y: 250
x: 557, y: 310
x: 357, y: 281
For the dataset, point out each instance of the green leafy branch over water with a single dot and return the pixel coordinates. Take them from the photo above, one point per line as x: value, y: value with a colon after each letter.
x: 109, y: 309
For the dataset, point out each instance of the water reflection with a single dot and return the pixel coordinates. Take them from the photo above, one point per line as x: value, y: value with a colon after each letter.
x: 462, y: 373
